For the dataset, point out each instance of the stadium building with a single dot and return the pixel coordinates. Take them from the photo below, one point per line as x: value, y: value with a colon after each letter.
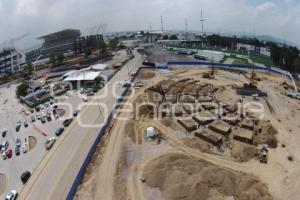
x: 59, y: 42
x: 10, y: 61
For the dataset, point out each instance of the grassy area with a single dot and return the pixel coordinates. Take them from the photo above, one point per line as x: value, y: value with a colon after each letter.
x: 240, y: 61
x: 261, y: 59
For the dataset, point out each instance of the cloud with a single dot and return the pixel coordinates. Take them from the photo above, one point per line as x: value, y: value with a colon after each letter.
x: 39, y: 17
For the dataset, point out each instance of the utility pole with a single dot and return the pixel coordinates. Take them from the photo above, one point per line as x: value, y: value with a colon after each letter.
x: 162, y: 30
x: 202, y: 32
x: 186, y: 36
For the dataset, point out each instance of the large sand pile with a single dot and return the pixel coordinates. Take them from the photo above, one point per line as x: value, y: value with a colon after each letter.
x: 266, y: 135
x: 243, y: 152
x: 146, y: 74
x: 178, y: 176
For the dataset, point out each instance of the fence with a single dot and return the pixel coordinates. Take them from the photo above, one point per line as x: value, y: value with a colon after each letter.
x: 228, y: 66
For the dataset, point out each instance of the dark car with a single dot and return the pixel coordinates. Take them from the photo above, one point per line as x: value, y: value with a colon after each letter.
x: 17, y: 151
x: 59, y: 131
x: 4, y: 133
x: 67, y: 122
x: 25, y: 176
x: 75, y: 113
x: 18, y: 142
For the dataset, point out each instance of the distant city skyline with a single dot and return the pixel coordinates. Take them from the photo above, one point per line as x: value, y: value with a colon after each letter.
x: 279, y: 19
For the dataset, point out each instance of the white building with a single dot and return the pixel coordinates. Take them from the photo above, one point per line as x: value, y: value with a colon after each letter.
x: 10, y: 61
x: 246, y: 47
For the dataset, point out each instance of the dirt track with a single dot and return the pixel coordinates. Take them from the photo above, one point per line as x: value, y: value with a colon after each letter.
x: 104, y: 180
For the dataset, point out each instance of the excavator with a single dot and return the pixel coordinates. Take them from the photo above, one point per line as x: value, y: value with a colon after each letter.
x: 210, y: 75
x: 253, y: 79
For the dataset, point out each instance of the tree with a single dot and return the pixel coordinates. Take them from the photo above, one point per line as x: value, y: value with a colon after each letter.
x: 113, y: 43
x: 173, y: 37
x: 60, y: 57
x: 28, y: 69
x: 296, y: 65
x: 22, y: 89
x: 88, y: 52
x: 142, y: 33
x: 52, y: 59
x: 165, y: 37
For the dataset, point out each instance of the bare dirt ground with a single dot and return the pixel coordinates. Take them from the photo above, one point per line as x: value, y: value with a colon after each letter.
x: 178, y: 165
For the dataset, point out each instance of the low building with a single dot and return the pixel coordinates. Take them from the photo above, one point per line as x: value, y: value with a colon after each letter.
x: 210, y: 137
x: 208, y: 55
x: 80, y: 79
x: 189, y: 124
x: 220, y: 127
x: 203, y: 118
x: 245, y: 136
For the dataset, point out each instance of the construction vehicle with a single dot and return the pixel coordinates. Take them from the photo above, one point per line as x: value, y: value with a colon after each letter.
x: 210, y: 75
x: 263, y: 155
x: 253, y: 79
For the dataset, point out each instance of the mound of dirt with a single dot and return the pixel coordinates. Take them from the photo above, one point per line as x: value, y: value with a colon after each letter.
x: 167, y: 122
x: 146, y: 74
x: 266, y: 135
x: 129, y: 128
x: 3, y: 183
x: 243, y: 152
x: 32, y: 142
x: 178, y: 176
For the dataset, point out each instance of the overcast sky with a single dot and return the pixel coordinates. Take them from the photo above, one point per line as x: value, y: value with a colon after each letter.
x: 280, y: 18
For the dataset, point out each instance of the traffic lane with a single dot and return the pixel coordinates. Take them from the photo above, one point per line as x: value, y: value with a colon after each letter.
x: 42, y: 184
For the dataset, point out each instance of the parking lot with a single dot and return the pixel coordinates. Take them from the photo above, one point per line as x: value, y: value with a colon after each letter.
x: 11, y: 112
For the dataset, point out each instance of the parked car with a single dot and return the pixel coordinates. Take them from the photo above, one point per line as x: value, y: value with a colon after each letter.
x: 12, y: 195
x: 49, y: 143
x: 59, y: 131
x: 67, y: 122
x: 75, y: 113
x: 9, y: 153
x: 18, y: 142
x: 38, y: 116
x: 5, y: 145
x: 17, y: 150
x: 84, y: 99
x: 90, y: 94
x: 18, y: 125
x: 24, y: 147
x: 25, y: 124
x: 25, y: 176
x: 4, y: 133
x: 32, y: 118
x: 43, y: 120
x: 4, y: 156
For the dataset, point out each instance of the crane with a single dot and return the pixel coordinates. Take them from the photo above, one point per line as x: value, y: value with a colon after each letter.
x: 12, y: 41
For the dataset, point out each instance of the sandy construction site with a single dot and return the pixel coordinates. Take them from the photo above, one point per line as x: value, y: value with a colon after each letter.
x: 182, y: 136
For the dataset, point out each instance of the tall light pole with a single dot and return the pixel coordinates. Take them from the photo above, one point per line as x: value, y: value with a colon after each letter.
x: 162, y: 31
x: 202, y: 32
x: 186, y: 35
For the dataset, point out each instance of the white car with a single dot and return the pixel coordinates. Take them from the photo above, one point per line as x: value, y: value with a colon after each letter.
x: 12, y: 195
x: 24, y: 147
x: 26, y: 113
x: 84, y: 99
x: 38, y: 116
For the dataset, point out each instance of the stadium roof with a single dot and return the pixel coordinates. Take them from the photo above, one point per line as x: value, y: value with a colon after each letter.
x: 83, y: 76
x: 60, y: 33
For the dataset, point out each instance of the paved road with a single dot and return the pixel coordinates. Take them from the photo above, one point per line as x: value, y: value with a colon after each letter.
x: 57, y: 171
